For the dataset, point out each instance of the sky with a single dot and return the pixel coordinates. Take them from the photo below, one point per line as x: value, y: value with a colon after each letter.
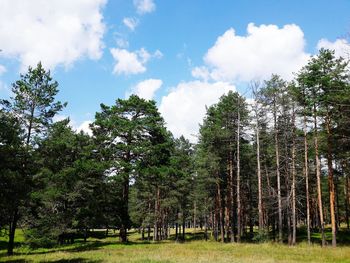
x: 184, y: 54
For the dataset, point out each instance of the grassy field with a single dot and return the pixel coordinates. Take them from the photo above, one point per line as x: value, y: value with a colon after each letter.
x: 110, y: 250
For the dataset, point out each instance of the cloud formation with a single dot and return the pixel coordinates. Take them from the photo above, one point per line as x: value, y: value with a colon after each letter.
x: 340, y: 46
x: 266, y: 49
x: 130, y: 22
x: 185, y: 106
x: 131, y: 63
x: 144, y: 6
x: 146, y: 89
x: 55, y: 32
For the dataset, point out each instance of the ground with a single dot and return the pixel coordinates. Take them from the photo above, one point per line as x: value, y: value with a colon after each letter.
x: 100, y: 249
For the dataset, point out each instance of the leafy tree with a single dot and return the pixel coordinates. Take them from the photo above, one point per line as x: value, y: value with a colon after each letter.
x: 124, y: 133
x: 34, y: 106
x: 325, y: 82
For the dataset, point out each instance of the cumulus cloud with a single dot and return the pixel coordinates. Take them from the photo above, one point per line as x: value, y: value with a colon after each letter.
x: 266, y: 49
x: 144, y: 6
x: 129, y: 63
x: 130, y: 22
x: 55, y: 32
x: 146, y: 89
x: 201, y: 73
x: 340, y: 46
x: 85, y: 127
x: 185, y: 106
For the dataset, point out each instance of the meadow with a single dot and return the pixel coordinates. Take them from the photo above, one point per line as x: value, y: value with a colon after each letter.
x: 108, y: 249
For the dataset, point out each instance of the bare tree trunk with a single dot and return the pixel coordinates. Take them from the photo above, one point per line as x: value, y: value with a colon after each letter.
x: 294, y: 231
x: 231, y: 198
x: 255, y: 88
x: 259, y: 175
x: 306, y: 171
x: 238, y: 180
x: 280, y: 233
x: 331, y: 182
x: 318, y: 176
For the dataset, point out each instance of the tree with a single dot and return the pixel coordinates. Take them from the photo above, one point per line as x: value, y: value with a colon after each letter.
x: 326, y: 82
x: 34, y: 106
x: 124, y: 134
x: 271, y: 94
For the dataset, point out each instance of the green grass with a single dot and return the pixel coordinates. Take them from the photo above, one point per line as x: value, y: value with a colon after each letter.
x: 110, y: 250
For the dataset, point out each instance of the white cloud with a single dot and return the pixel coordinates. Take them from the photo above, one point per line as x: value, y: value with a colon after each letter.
x: 147, y: 88
x: 55, y: 32
x: 130, y: 22
x: 185, y: 105
x: 266, y: 49
x: 2, y: 69
x: 201, y: 73
x: 85, y: 127
x: 341, y: 47
x: 128, y: 63
x: 144, y: 6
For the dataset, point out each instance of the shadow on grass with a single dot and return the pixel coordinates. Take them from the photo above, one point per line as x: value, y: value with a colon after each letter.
x: 16, y: 260
x: 73, y: 260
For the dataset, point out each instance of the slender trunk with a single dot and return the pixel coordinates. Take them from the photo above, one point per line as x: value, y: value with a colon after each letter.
x: 183, y: 226
x: 331, y: 182
x: 294, y: 231
x: 238, y: 180
x: 280, y: 236
x: 259, y: 176
x: 306, y: 171
x: 318, y: 176
x: 156, y: 215
x: 347, y: 199
x: 194, y: 215
x: 12, y: 232
x: 231, y: 198
x: 125, y: 213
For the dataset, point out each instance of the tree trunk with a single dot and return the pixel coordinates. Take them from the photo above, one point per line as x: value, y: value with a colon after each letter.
x: 238, y: 180
x: 279, y: 200
x: 125, y: 213
x: 259, y: 177
x: 306, y: 171
x: 231, y: 199
x: 12, y: 232
x: 183, y: 226
x: 318, y: 176
x: 294, y: 231
x: 331, y: 182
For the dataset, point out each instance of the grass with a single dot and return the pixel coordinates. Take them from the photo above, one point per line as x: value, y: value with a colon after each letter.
x: 108, y: 249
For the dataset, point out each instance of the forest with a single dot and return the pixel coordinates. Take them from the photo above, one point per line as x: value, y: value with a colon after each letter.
x: 268, y: 168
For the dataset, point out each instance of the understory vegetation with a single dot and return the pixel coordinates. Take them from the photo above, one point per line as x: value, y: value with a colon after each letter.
x: 100, y: 248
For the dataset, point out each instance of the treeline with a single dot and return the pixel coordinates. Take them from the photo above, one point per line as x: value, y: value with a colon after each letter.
x: 260, y: 170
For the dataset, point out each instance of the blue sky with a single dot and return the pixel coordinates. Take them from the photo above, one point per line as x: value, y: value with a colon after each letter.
x: 183, y: 54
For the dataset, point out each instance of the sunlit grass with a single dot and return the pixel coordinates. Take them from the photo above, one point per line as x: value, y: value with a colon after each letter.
x: 110, y: 250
